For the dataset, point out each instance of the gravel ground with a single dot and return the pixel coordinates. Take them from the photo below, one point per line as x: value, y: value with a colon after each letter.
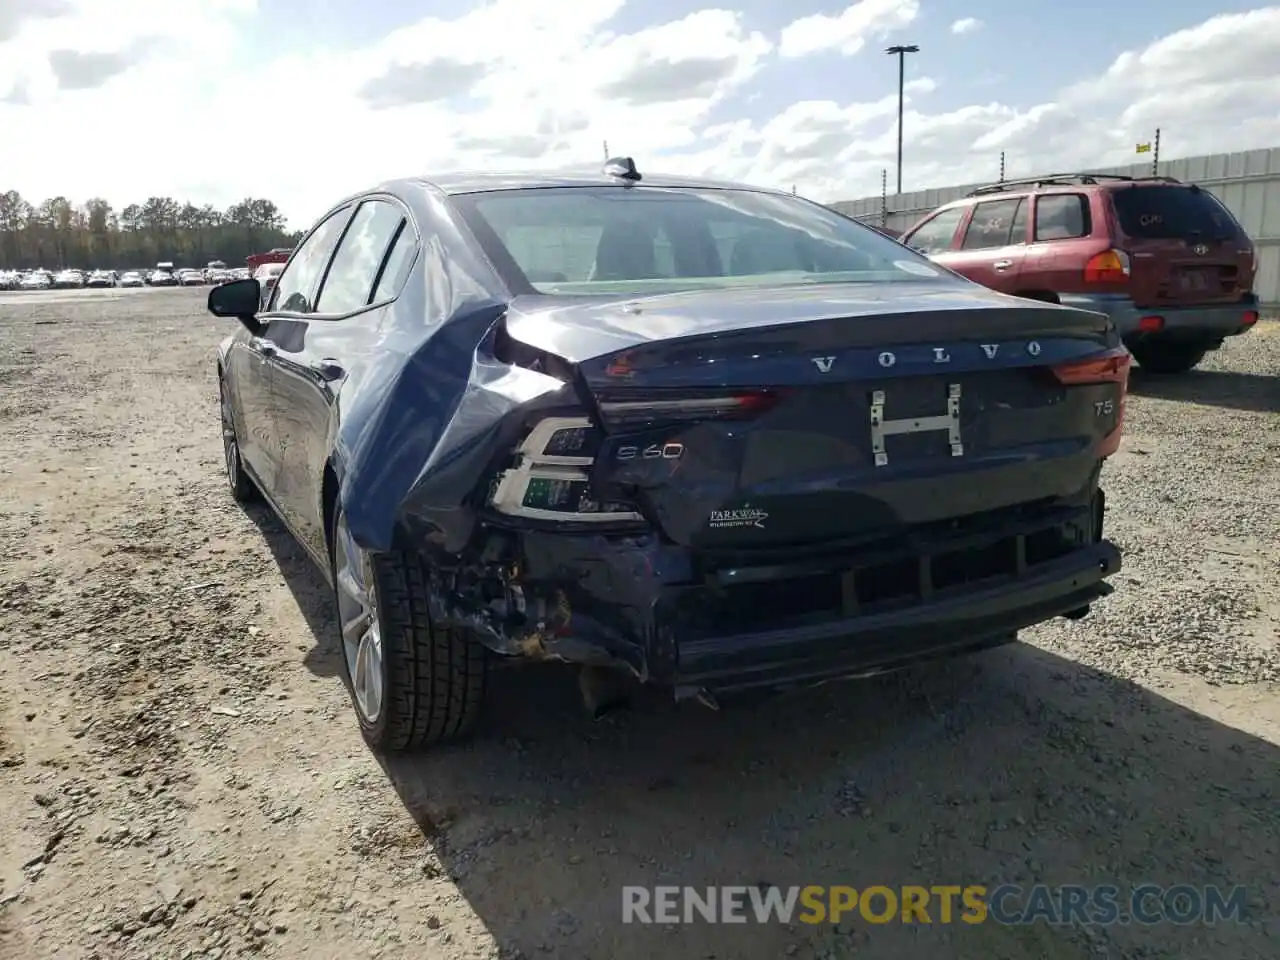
x: 185, y: 778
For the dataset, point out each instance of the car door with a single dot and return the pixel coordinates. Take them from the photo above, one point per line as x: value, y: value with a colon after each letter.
x: 247, y: 379
x: 362, y: 280
x: 1062, y: 225
x: 289, y: 299
x: 993, y: 246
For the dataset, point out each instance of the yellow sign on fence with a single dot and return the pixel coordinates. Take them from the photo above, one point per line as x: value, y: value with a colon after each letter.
x: 1143, y: 148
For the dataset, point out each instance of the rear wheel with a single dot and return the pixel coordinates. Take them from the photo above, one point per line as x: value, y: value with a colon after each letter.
x: 412, y: 684
x: 1156, y: 357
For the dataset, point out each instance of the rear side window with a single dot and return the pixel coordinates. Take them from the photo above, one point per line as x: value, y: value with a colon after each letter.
x: 1172, y: 212
x: 355, y: 266
x: 935, y: 236
x: 395, y: 268
x: 992, y: 225
x: 1062, y: 216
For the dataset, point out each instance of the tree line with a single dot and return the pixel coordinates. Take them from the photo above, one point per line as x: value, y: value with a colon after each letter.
x: 57, y: 233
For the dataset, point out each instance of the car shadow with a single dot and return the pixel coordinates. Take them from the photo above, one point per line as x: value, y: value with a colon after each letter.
x: 1013, y: 766
x: 310, y: 592
x: 1255, y: 392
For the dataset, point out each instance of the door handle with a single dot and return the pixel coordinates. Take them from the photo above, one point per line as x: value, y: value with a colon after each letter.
x: 327, y: 369
x: 1002, y: 264
x: 264, y: 347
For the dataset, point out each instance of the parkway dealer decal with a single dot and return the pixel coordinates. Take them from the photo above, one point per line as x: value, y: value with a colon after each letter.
x: 745, y: 516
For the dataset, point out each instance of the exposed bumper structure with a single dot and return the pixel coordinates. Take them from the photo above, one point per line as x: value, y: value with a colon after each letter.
x: 886, y: 641
x: 716, y: 624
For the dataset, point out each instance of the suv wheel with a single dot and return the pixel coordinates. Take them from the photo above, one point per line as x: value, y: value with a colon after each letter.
x: 1166, y: 358
x: 412, y: 684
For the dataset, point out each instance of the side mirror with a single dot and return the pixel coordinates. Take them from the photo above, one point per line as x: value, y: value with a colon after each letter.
x: 240, y: 299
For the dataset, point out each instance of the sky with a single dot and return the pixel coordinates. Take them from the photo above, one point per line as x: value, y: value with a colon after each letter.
x: 305, y: 101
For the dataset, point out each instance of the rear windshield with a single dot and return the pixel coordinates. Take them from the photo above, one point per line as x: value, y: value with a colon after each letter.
x: 1172, y: 212
x: 638, y: 240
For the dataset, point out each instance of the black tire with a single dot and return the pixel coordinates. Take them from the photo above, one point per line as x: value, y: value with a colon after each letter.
x: 433, y: 678
x: 242, y: 488
x: 1167, y: 358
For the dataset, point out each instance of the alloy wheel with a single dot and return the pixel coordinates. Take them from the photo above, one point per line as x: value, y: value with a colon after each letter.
x: 358, y: 618
x: 230, y: 448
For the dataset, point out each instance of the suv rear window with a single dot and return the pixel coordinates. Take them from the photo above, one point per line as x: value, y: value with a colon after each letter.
x: 1172, y: 212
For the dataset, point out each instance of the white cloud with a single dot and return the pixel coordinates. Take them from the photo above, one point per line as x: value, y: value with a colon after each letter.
x: 1209, y: 88
x: 966, y: 25
x: 175, y: 113
x: 849, y: 30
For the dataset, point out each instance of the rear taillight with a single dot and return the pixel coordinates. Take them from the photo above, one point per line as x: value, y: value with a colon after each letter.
x: 1110, y: 367
x: 550, y: 479
x: 1250, y: 317
x: 1110, y: 266
x: 679, y: 409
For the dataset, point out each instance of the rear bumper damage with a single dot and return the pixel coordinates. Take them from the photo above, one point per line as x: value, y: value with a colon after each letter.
x: 1207, y: 323
x: 713, y: 624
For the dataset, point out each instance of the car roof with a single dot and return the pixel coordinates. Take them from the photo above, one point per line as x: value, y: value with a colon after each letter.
x: 464, y: 182
x: 1088, y: 184
x: 416, y: 191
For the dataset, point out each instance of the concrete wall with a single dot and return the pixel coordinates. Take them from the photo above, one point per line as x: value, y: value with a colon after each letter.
x: 1248, y: 183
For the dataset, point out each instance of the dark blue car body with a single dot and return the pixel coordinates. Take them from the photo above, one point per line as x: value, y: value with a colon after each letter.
x: 788, y: 547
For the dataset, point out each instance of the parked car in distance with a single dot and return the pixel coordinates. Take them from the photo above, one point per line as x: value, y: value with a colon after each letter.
x: 190, y: 278
x: 267, y: 275
x: 36, y: 280
x: 1165, y: 260
x: 9, y: 279
x: 102, y: 278
x: 68, y: 280
x: 132, y: 278
x: 161, y: 278
x: 677, y: 431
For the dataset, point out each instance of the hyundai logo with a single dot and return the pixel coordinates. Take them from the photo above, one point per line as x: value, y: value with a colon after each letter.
x: 1199, y: 249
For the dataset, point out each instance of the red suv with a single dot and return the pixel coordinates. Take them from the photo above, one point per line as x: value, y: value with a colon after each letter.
x: 1164, y: 259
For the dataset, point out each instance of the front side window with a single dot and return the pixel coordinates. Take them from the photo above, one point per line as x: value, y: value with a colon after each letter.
x: 349, y: 283
x: 935, y: 235
x: 635, y: 240
x: 295, y: 291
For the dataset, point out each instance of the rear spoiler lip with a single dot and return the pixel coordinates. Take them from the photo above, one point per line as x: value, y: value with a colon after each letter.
x: 593, y: 328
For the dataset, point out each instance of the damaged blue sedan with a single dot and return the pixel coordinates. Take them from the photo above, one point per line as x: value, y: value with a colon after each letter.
x: 688, y: 433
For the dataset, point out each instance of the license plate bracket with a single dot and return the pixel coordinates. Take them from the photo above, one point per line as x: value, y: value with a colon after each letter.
x: 948, y: 422
x: 1193, y: 281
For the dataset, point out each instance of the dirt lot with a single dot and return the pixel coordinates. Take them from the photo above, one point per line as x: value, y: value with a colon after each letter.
x: 184, y: 777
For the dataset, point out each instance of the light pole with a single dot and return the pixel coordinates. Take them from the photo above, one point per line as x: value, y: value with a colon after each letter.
x: 901, y: 52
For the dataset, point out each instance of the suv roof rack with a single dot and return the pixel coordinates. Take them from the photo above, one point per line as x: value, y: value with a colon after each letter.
x: 1065, y: 179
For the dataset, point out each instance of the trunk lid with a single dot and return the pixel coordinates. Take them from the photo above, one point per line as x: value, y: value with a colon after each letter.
x: 1184, y: 246
x: 790, y: 416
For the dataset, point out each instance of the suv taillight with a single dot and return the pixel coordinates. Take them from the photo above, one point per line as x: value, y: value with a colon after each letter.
x: 1109, y: 266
